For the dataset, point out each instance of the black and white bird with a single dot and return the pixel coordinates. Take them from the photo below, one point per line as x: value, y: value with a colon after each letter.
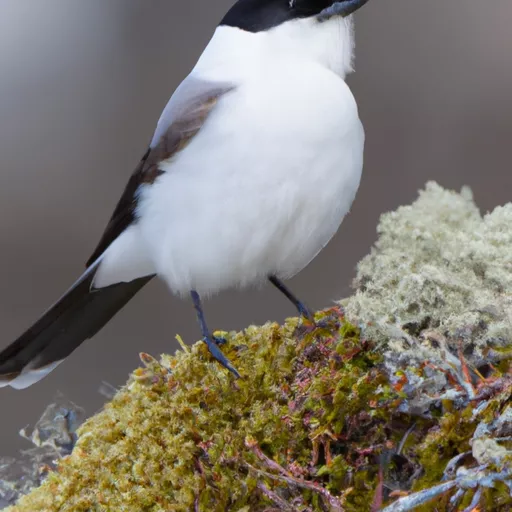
x: 254, y: 163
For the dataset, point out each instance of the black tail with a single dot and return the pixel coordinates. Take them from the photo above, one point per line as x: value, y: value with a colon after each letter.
x: 77, y: 316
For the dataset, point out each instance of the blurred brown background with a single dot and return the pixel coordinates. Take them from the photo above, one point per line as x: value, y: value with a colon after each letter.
x: 82, y: 83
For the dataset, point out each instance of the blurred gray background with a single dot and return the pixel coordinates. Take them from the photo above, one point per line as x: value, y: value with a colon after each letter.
x: 82, y: 83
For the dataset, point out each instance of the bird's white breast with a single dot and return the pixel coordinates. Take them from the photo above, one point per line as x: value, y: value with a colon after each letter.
x: 262, y: 187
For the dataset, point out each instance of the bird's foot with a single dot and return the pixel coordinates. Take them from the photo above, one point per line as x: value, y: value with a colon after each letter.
x: 308, y: 322
x: 212, y: 343
x: 329, y: 319
x: 219, y: 340
x: 308, y: 326
x: 306, y: 314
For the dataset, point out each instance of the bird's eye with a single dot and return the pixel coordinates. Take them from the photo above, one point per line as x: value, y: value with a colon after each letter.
x: 310, y: 7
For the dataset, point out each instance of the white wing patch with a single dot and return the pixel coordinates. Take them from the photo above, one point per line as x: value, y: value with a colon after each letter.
x: 125, y: 259
x: 30, y: 376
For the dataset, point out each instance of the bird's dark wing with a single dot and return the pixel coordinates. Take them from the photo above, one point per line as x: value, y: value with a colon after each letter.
x: 182, y: 118
x: 83, y: 310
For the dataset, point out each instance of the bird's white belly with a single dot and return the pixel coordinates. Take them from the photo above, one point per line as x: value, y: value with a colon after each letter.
x: 262, y: 187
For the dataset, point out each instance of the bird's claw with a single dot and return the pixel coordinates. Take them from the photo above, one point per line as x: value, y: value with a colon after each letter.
x: 212, y: 344
x: 308, y: 318
x: 310, y: 324
x: 219, y: 340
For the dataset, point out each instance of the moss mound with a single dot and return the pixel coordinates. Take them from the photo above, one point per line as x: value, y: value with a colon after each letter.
x: 183, y: 433
x: 391, y: 411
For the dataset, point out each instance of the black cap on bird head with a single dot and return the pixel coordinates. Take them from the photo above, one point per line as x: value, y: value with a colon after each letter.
x: 261, y: 15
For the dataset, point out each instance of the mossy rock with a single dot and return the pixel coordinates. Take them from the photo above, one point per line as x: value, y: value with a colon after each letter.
x: 360, y: 412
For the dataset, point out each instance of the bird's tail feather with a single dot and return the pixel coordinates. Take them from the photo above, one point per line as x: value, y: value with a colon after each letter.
x: 77, y: 316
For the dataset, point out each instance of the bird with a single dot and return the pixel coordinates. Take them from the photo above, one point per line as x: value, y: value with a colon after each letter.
x: 253, y: 165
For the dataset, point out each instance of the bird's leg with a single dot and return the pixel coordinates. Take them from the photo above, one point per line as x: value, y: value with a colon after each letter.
x: 211, y: 341
x: 303, y: 310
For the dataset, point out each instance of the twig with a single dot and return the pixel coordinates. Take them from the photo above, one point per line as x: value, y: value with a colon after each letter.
x: 408, y: 503
x: 454, y: 500
x: 475, y: 501
x: 275, y: 498
x: 451, y: 467
x: 333, y: 502
x: 378, y: 499
x: 404, y: 439
x: 253, y: 445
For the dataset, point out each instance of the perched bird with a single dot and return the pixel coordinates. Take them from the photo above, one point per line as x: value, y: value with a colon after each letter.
x: 254, y: 163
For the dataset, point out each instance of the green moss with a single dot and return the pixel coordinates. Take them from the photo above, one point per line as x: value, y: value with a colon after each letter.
x: 449, y: 437
x: 331, y: 418
x: 317, y: 406
x: 176, y: 435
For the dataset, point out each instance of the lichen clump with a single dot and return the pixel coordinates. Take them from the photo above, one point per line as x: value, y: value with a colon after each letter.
x: 401, y: 400
x: 53, y: 436
x: 438, y: 264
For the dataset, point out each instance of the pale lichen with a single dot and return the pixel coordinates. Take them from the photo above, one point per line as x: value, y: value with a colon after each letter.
x: 439, y: 263
x: 52, y: 437
x: 439, y: 275
x: 406, y: 404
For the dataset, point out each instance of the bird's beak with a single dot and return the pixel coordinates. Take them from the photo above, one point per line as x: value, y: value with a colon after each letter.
x: 342, y: 8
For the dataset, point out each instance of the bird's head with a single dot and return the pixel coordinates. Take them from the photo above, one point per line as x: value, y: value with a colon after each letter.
x: 262, y: 15
x: 321, y: 30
